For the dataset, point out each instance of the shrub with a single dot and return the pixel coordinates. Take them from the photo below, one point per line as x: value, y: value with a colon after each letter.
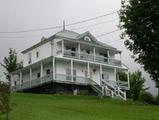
x: 146, y: 97
x: 83, y: 92
x: 5, y: 99
x: 157, y: 100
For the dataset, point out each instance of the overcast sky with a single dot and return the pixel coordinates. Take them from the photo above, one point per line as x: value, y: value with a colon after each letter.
x: 16, y: 15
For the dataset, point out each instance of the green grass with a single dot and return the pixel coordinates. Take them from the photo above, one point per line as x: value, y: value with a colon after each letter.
x: 51, y: 107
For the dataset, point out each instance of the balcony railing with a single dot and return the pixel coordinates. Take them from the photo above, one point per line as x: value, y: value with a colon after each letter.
x: 90, y: 57
x: 86, y: 56
x: 71, y: 54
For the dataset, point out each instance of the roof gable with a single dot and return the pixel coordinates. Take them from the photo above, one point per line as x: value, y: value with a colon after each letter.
x: 88, y: 37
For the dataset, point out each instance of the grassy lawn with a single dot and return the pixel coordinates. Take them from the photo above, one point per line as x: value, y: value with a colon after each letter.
x: 49, y: 107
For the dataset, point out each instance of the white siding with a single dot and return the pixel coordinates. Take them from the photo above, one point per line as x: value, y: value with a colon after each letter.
x: 44, y: 52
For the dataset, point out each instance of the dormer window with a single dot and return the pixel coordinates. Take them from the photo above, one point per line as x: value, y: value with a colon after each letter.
x: 37, y: 54
x: 86, y: 38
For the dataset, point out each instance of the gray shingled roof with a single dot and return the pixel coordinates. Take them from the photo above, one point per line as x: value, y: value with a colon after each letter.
x: 67, y: 34
x: 73, y: 36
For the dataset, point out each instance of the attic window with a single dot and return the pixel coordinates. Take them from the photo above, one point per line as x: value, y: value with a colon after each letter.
x: 86, y: 38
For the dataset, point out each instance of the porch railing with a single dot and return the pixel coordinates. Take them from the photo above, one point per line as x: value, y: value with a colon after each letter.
x: 70, y: 79
x: 121, y: 84
x: 95, y: 86
x: 32, y: 83
x: 90, y: 57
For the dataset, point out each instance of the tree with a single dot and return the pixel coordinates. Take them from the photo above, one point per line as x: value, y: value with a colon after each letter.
x: 123, y: 76
x: 136, y: 85
x: 10, y: 63
x: 5, y: 99
x: 139, y: 22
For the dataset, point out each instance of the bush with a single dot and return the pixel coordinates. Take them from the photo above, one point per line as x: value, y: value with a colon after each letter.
x: 83, y: 92
x: 146, y: 97
x: 5, y: 99
x: 157, y: 100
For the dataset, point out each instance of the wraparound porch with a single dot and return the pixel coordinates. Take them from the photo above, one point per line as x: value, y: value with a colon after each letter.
x: 26, y: 77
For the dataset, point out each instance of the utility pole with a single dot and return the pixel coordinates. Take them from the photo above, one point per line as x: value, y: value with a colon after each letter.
x: 63, y: 25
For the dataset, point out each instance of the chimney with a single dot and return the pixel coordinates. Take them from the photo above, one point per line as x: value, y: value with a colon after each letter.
x: 43, y: 38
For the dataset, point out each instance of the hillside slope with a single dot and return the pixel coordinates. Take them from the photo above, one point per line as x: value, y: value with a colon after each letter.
x: 49, y: 107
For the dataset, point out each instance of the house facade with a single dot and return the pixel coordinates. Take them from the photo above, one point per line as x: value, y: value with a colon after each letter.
x: 73, y: 59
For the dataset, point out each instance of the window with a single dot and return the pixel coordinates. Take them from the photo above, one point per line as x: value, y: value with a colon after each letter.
x: 29, y: 58
x: 86, y: 38
x: 73, y: 53
x: 37, y: 54
x: 22, y: 82
x: 105, y: 76
x: 47, y: 71
x: 88, y: 51
x: 102, y: 76
x: 105, y: 59
x: 68, y: 74
x: 86, y: 74
x: 38, y: 75
x: 15, y: 83
x: 74, y: 75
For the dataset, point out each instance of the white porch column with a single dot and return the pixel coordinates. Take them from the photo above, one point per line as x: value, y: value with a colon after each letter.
x: 88, y: 69
x: 53, y: 68
x: 108, y: 55
x: 101, y: 72
x: 128, y: 79
x: 94, y: 53
x: 52, y: 51
x: 41, y: 72
x: 115, y: 74
x: 62, y: 47
x: 20, y: 76
x: 71, y: 70
x: 30, y: 75
x: 79, y: 50
x: 120, y: 56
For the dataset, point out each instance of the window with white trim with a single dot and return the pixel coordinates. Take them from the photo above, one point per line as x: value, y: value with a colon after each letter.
x: 29, y: 58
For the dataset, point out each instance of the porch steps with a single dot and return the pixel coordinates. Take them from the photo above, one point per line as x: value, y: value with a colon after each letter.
x: 107, y: 89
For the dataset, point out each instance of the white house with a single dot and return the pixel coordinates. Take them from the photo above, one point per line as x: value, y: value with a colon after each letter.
x: 70, y: 58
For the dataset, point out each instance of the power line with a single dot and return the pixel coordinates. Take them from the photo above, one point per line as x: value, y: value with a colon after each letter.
x: 115, y: 41
x: 19, y: 37
x: 101, y: 35
x: 56, y: 27
x: 142, y: 20
x: 104, y: 34
x: 90, y: 19
x: 94, y: 24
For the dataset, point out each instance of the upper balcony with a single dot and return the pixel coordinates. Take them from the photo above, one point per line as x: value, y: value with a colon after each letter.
x: 88, y: 52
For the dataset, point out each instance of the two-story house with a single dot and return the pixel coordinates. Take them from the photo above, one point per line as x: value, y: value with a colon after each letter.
x: 71, y: 61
